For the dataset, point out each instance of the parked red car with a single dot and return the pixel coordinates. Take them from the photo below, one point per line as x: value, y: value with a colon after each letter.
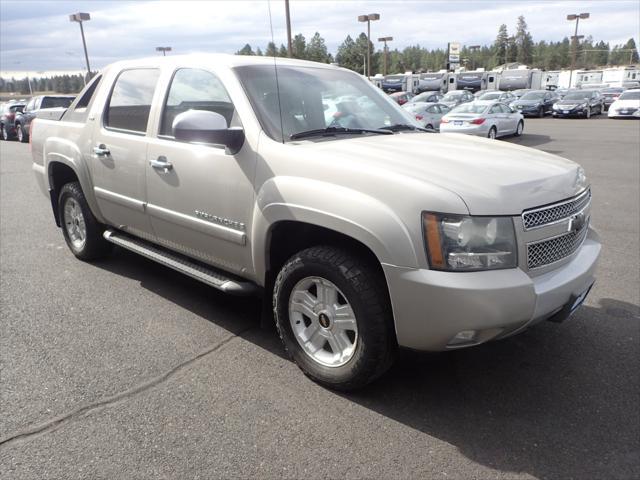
x: 402, y: 97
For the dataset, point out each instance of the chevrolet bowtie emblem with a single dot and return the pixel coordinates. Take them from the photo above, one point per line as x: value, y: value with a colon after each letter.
x: 577, y: 222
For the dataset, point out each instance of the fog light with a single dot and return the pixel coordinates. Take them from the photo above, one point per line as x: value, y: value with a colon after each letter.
x: 465, y: 336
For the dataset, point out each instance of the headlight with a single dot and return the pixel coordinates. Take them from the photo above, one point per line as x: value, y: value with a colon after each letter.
x: 464, y: 243
x: 556, y: 106
x: 582, y: 105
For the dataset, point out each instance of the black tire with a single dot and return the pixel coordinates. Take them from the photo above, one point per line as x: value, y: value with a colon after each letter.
x: 4, y: 133
x: 95, y: 246
x: 588, y: 114
x: 21, y: 134
x: 495, y: 133
x: 365, y: 290
x: 541, y: 112
x: 429, y: 127
x: 519, y: 129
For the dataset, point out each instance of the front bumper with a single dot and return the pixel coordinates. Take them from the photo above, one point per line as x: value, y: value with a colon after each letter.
x: 624, y: 113
x: 574, y: 112
x: 528, y: 111
x: 431, y: 307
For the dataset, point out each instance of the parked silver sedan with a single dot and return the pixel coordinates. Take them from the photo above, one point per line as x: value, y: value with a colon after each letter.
x: 428, y: 114
x: 483, y: 118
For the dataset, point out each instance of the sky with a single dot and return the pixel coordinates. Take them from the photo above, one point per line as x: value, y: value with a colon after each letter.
x: 37, y: 36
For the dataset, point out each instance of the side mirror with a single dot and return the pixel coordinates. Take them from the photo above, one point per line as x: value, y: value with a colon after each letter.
x: 202, y: 126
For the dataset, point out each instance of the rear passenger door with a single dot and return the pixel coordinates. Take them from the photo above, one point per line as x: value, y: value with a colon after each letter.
x: 118, y: 151
x: 200, y: 201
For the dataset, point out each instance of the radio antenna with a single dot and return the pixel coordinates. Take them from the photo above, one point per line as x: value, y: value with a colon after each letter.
x: 275, y: 66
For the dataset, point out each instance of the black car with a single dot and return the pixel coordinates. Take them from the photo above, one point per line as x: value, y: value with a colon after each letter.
x: 8, y: 114
x: 610, y: 95
x: 583, y: 103
x: 43, y: 106
x: 535, y: 103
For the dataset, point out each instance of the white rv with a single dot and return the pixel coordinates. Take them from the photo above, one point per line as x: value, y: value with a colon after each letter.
x: 618, y: 76
x: 584, y: 78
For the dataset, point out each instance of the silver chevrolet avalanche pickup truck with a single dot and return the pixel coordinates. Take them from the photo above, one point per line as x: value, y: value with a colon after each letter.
x: 303, y: 183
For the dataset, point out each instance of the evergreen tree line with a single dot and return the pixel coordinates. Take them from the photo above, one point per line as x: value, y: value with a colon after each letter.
x: 56, y: 83
x: 507, y: 48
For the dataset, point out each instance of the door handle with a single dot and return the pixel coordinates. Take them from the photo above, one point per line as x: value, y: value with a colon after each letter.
x: 161, y: 163
x: 101, y: 150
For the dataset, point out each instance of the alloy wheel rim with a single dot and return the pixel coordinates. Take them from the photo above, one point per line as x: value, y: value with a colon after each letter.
x: 492, y: 133
x: 323, y: 321
x: 19, y: 134
x: 74, y: 223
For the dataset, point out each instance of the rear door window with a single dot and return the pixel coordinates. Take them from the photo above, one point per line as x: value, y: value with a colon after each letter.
x: 130, y: 101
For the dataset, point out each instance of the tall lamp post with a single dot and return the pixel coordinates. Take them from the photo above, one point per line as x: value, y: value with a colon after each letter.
x: 575, y: 38
x: 164, y: 50
x: 82, y: 17
x: 369, y: 18
x: 386, y: 51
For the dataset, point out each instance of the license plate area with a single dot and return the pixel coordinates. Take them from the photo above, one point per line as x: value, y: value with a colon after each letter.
x: 458, y: 123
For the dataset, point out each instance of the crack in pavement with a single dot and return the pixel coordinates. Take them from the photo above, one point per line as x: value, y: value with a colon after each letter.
x: 58, y: 422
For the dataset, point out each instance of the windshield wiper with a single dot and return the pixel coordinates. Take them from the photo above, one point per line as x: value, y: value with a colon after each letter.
x: 404, y: 126
x: 337, y: 131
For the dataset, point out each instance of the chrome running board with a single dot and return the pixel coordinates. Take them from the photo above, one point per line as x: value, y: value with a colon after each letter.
x: 204, y: 273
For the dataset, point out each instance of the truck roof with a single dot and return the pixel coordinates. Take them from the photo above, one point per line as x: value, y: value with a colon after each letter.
x: 227, y: 60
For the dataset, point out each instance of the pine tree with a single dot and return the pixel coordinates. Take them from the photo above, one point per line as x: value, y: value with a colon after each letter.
x: 246, y: 50
x: 271, y: 50
x: 299, y: 46
x: 501, y: 45
x: 317, y: 49
x: 524, y: 42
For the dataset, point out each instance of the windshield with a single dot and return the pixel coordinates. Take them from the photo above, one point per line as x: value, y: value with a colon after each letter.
x: 577, y: 95
x: 423, y: 97
x: 532, y: 96
x: 452, y: 96
x: 630, y: 95
x: 490, y: 96
x: 55, y: 102
x: 316, y: 98
x: 470, y: 108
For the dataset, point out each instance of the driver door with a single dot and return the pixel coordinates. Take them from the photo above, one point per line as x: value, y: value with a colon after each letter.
x: 199, y: 197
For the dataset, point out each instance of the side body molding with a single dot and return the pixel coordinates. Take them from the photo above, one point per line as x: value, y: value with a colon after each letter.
x: 343, y: 210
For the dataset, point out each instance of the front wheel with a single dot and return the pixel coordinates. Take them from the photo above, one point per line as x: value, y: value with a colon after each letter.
x: 541, y: 112
x: 519, y: 128
x: 81, y: 230
x: 588, y: 115
x: 5, y: 133
x: 334, y: 317
x: 492, y: 133
x: 22, y: 135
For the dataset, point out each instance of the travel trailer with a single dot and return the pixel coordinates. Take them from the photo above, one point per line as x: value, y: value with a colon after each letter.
x: 520, y: 78
x: 476, y: 81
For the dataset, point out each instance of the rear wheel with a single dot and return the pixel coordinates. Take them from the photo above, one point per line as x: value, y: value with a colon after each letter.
x: 430, y: 127
x: 334, y: 317
x: 492, y: 133
x: 81, y: 230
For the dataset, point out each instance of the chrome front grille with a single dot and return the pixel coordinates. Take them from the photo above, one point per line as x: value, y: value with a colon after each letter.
x: 545, y: 252
x: 539, y: 217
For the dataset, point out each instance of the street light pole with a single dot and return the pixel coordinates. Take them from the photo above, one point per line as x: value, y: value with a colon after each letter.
x: 81, y: 17
x: 472, y: 50
x: 164, y: 50
x: 369, y: 18
x: 575, y: 38
x: 386, y: 51
x: 288, y: 15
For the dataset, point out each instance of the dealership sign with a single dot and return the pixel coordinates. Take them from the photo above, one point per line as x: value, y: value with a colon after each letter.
x: 454, y: 55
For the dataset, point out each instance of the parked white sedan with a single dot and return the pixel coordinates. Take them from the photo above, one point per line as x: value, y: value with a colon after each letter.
x: 626, y: 106
x: 483, y: 118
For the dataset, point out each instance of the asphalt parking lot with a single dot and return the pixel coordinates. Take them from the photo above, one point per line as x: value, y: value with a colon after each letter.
x: 125, y: 369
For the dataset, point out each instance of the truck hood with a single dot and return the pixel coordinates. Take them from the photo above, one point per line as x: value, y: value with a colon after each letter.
x: 492, y: 177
